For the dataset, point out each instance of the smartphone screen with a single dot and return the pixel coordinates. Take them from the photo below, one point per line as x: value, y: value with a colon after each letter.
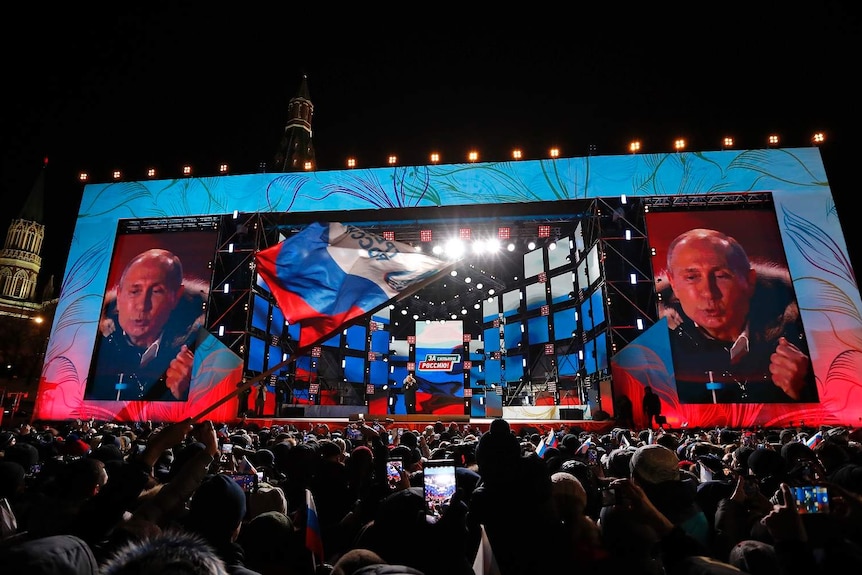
x: 439, y: 485
x: 227, y: 448
x: 248, y: 481
x: 393, y: 471
x: 811, y: 499
x: 354, y: 434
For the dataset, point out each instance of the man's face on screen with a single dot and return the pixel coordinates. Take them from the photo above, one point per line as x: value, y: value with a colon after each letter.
x: 711, y: 291
x: 145, y: 301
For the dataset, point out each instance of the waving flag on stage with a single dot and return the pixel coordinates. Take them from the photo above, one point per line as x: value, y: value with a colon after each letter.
x: 330, y: 273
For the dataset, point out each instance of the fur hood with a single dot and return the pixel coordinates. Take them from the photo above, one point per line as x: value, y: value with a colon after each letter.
x: 773, y: 305
x: 188, y: 316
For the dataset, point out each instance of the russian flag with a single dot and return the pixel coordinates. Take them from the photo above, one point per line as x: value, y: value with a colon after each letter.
x: 546, y: 442
x: 330, y: 273
x: 485, y: 563
x: 814, y: 439
x: 313, y: 539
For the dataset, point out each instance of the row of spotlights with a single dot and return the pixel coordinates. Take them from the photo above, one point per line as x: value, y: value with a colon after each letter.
x: 634, y: 147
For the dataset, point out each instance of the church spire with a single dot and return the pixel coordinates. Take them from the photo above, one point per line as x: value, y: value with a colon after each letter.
x: 34, y: 206
x: 296, y: 151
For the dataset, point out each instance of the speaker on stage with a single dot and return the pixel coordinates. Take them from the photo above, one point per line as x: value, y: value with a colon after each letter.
x: 571, y: 413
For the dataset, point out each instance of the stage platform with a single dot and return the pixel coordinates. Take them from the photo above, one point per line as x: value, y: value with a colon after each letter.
x: 419, y: 421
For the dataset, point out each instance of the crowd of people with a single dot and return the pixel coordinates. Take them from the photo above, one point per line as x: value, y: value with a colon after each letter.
x: 207, y: 497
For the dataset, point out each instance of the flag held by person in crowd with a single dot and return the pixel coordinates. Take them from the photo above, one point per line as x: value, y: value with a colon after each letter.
x: 485, y: 563
x: 814, y: 439
x: 245, y: 466
x: 313, y: 538
x: 329, y: 274
x: 547, y: 442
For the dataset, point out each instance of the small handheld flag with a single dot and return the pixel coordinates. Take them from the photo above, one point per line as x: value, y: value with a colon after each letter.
x: 485, y: 563
x: 814, y: 439
x: 547, y: 442
x: 313, y: 539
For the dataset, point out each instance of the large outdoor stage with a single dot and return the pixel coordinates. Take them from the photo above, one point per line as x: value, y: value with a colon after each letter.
x: 557, y: 291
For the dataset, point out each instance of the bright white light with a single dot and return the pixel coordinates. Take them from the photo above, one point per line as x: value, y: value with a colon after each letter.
x: 226, y: 287
x: 468, y: 280
x: 454, y: 249
x: 437, y: 250
x: 510, y: 247
x: 453, y: 273
x: 486, y: 246
x: 552, y: 246
x: 403, y: 312
x: 531, y: 245
x: 640, y: 324
x: 628, y: 234
x: 221, y: 330
x: 633, y: 279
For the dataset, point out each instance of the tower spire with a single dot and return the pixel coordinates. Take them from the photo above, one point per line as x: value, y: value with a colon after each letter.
x: 20, y: 258
x: 296, y: 151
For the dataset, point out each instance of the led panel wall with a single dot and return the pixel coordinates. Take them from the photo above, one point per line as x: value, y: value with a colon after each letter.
x: 535, y: 296
x: 260, y: 313
x: 565, y: 324
x: 514, y: 334
x: 534, y: 262
x: 511, y: 302
x: 561, y: 255
x: 537, y: 330
x: 562, y: 286
x: 356, y: 337
x: 514, y: 365
x: 593, y: 268
x: 490, y: 309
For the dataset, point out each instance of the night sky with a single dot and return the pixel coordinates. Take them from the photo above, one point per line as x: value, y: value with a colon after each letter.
x: 161, y: 86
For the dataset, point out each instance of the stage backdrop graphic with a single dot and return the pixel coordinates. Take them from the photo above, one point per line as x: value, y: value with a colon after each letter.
x: 814, y: 245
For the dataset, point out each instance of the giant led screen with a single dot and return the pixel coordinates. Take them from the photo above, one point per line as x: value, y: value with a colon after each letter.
x: 532, y: 328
